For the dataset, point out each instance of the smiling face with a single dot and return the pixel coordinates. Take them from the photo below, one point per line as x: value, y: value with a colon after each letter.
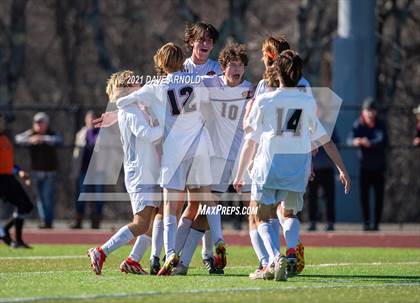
x: 234, y: 72
x: 201, y: 48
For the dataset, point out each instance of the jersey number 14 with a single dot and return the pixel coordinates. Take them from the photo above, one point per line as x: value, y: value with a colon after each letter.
x: 291, y: 123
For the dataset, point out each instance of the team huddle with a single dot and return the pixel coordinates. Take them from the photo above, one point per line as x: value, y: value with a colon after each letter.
x: 200, y: 131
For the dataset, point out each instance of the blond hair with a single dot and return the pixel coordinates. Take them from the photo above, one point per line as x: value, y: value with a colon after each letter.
x: 168, y: 59
x: 117, y: 84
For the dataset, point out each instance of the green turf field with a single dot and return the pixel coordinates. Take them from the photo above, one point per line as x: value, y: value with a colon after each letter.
x: 62, y: 273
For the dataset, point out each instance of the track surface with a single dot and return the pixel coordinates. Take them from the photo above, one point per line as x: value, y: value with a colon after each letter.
x: 316, y: 239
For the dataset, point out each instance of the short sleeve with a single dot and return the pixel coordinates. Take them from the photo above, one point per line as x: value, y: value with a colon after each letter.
x: 146, y: 95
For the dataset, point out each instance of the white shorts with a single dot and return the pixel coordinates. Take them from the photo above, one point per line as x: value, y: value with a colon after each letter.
x: 145, y: 197
x: 267, y: 196
x: 223, y: 173
x: 192, y: 172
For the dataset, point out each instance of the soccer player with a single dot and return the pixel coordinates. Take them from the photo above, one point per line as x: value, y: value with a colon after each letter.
x: 199, y: 38
x: 141, y: 169
x: 187, y: 148
x: 228, y: 96
x: 11, y: 191
x: 284, y: 124
x: 271, y: 49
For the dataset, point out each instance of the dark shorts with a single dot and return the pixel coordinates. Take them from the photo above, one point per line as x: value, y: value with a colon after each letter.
x: 11, y: 191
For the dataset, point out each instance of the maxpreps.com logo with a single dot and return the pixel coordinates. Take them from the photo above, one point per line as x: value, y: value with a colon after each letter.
x: 227, y: 210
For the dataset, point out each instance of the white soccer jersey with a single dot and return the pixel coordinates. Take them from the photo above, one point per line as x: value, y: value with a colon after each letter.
x: 176, y: 103
x: 141, y: 161
x: 209, y: 68
x: 224, y: 120
x: 284, y: 122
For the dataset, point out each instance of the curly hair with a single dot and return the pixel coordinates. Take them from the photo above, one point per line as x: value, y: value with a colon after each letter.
x: 116, y: 82
x: 233, y: 52
x: 271, y: 48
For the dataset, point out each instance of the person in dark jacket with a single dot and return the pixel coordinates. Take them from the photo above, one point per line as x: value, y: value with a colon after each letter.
x: 42, y: 143
x: 323, y: 169
x: 369, y: 134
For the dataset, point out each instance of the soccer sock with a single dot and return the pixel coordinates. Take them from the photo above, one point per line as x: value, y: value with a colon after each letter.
x: 157, y: 238
x: 291, y: 231
x: 121, y: 237
x: 258, y: 245
x: 182, y: 233
x: 169, y: 234
x: 191, y: 244
x: 143, y: 242
x: 275, y: 228
x: 207, y: 250
x: 215, y: 223
x: 9, y: 224
x: 265, y: 234
x: 280, y: 217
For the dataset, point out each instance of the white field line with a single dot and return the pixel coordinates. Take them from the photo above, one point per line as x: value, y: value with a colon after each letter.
x: 44, y: 257
x: 343, y: 264
x: 204, y: 291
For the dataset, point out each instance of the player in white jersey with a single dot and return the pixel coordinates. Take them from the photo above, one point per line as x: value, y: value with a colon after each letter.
x: 141, y: 169
x: 228, y: 96
x: 187, y: 148
x: 271, y: 49
x: 200, y: 38
x: 284, y: 123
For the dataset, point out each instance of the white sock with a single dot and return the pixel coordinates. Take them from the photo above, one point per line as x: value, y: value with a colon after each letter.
x: 264, y: 230
x: 182, y: 232
x: 143, y: 242
x: 280, y: 217
x: 169, y: 234
x: 120, y: 238
x: 291, y: 229
x: 191, y: 244
x: 258, y: 245
x: 207, y: 250
x: 157, y: 238
x: 275, y: 227
x: 215, y: 223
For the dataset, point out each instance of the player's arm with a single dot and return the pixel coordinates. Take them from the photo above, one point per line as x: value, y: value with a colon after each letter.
x: 142, y: 129
x: 335, y: 156
x: 107, y: 119
x: 245, y: 158
x: 245, y: 122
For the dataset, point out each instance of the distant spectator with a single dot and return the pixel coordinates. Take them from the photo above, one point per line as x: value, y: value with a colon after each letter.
x: 324, y: 179
x: 11, y: 191
x: 370, y: 135
x: 416, y: 141
x: 83, y: 150
x: 42, y: 143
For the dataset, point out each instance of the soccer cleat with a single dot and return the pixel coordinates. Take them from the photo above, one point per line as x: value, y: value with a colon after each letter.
x: 154, y: 265
x: 269, y: 272
x: 20, y: 244
x: 258, y: 273
x: 280, y: 268
x: 300, y: 257
x: 97, y: 259
x: 209, y: 265
x: 179, y: 270
x: 129, y: 266
x: 291, y: 262
x: 169, y: 265
x: 220, y: 260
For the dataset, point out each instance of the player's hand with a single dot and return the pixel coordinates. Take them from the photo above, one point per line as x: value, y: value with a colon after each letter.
x: 345, y: 180
x: 25, y: 177
x: 238, y: 184
x: 107, y: 119
x: 365, y: 142
x: 36, y: 139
